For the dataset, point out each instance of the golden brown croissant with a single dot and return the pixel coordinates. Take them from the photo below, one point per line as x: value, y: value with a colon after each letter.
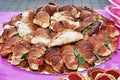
x: 12, y: 41
x: 4, y: 51
x: 87, y: 21
x: 41, y: 36
x: 108, y: 29
x: 69, y: 8
x: 69, y: 57
x: 53, y: 58
x: 85, y: 49
x: 35, y: 56
x: 50, y: 8
x: 25, y: 28
x: 84, y: 13
x: 62, y: 37
x: 98, y: 43
x: 28, y: 15
x: 19, y: 50
x: 42, y: 19
x: 58, y: 26
x: 9, y: 32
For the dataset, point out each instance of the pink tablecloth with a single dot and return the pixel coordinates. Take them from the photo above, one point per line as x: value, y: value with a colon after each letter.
x: 10, y: 72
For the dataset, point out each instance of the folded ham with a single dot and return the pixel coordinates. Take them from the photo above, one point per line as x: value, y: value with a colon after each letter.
x: 69, y: 57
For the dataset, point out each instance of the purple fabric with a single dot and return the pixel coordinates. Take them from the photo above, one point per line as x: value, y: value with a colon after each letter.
x: 10, y: 72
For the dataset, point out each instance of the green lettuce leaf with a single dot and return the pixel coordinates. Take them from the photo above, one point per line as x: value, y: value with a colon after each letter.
x: 24, y: 57
x: 85, y: 30
x: 79, y: 58
x: 96, y: 54
x: 106, y: 43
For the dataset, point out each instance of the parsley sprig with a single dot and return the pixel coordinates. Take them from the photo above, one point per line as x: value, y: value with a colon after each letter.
x: 79, y: 58
x: 106, y: 43
x: 85, y: 30
x: 24, y: 57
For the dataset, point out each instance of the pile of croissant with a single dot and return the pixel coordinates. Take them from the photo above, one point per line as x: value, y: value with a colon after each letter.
x: 94, y: 74
x: 58, y: 39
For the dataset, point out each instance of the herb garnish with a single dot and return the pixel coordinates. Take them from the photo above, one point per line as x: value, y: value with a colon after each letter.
x: 24, y: 57
x: 4, y: 40
x: 79, y: 58
x: 16, y: 34
x: 106, y: 43
x: 96, y: 54
x: 89, y: 27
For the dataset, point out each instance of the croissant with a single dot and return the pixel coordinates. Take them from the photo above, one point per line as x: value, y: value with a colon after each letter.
x: 41, y: 36
x: 63, y: 38
x: 85, y: 49
x: 53, y: 58
x: 108, y: 29
x: 28, y: 15
x: 69, y: 8
x: 42, y: 19
x: 69, y: 57
x: 19, y: 50
x: 15, y: 18
x: 87, y: 21
x: 25, y: 28
x: 8, y: 45
x: 100, y: 47
x: 50, y: 8
x: 4, y: 51
x: 58, y: 26
x: 35, y: 55
x: 9, y: 32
